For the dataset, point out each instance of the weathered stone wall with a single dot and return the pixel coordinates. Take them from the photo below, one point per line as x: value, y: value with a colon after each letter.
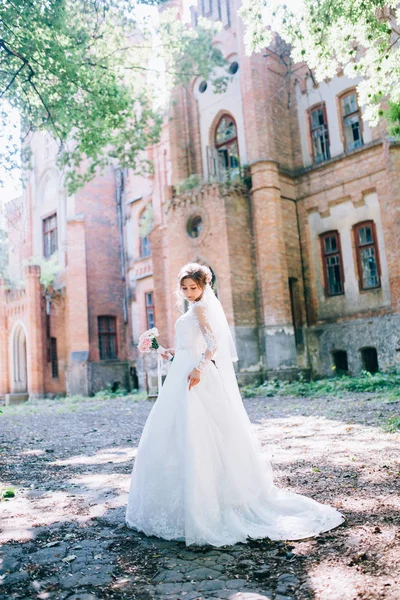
x: 108, y: 374
x: 382, y: 333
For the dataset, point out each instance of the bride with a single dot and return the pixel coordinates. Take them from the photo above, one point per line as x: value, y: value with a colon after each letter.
x: 200, y: 475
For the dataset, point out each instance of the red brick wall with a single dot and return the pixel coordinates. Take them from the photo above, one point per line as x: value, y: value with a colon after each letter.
x: 105, y: 286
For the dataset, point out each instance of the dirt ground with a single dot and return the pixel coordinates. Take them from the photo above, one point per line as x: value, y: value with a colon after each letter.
x: 68, y: 464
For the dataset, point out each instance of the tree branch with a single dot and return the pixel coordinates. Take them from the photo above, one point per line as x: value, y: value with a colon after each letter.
x: 12, y: 80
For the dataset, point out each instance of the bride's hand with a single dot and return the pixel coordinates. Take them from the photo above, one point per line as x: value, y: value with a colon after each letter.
x: 168, y: 353
x: 193, y: 378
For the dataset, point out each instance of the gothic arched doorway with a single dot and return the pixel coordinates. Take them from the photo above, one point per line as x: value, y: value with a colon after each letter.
x: 19, y: 380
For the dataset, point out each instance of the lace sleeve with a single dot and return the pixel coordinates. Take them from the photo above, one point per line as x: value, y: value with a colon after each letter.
x: 200, y: 318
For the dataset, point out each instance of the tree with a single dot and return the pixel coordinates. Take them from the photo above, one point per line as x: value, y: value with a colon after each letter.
x: 360, y: 37
x: 88, y: 71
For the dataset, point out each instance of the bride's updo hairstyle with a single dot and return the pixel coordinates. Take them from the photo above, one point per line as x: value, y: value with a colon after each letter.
x: 199, y: 273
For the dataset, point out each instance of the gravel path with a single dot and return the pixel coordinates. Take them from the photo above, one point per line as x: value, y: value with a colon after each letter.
x: 63, y: 537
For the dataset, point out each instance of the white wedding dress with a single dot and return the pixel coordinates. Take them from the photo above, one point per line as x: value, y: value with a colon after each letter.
x: 200, y: 474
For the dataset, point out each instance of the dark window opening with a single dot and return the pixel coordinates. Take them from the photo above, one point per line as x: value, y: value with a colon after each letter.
x: 319, y: 134
x: 203, y: 86
x: 369, y: 357
x: 194, y: 226
x: 135, y: 379
x: 296, y: 311
x: 107, y: 327
x: 150, y: 315
x: 49, y: 236
x: 367, y: 255
x: 332, y: 263
x: 54, y: 359
x: 351, y: 121
x: 115, y: 386
x: 340, y: 361
x: 233, y: 67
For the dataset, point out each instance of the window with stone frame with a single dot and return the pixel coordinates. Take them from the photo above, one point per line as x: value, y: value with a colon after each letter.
x: 332, y: 263
x: 50, y: 242
x: 319, y: 133
x: 107, y: 330
x: 150, y: 314
x: 368, y: 265
x: 223, y: 158
x: 351, y: 120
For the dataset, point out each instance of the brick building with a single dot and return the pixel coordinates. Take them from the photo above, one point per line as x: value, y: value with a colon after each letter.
x: 277, y: 184
x: 70, y: 334
x: 296, y: 211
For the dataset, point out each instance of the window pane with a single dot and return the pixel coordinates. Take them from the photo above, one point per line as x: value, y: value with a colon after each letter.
x: 369, y: 268
x: 330, y: 244
x: 224, y: 158
x: 334, y: 275
x: 349, y: 104
x: 352, y: 132
x: 53, y: 241
x: 149, y: 299
x: 145, y: 246
x: 233, y: 155
x: 150, y: 318
x: 317, y: 118
x: 112, y: 347
x: 226, y: 131
x: 365, y: 235
x: 106, y: 324
x: 320, y: 142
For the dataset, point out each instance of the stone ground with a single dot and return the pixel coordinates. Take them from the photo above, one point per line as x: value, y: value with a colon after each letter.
x: 69, y: 461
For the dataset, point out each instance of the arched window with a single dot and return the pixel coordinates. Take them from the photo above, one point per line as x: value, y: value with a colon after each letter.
x: 225, y: 163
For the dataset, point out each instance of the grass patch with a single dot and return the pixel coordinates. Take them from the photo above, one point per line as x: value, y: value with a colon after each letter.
x: 332, y: 386
x: 7, y: 493
x: 392, y: 425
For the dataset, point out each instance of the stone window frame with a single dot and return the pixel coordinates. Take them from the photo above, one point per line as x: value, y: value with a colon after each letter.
x: 108, y: 335
x: 310, y: 110
x: 48, y: 233
x: 358, y: 247
x: 325, y: 255
x: 150, y: 309
x: 341, y: 97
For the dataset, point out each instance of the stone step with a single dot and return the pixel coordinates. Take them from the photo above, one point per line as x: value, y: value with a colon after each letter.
x: 16, y: 398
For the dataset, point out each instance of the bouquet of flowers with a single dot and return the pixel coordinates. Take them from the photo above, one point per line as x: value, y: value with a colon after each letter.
x: 148, y: 340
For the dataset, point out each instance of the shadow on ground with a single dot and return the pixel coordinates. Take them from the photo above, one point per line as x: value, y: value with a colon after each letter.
x: 64, y: 535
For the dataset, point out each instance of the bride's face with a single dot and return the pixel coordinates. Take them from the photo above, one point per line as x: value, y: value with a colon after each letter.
x: 191, y: 290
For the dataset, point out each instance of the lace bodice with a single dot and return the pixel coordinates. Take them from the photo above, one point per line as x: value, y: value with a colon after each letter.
x: 193, y: 332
